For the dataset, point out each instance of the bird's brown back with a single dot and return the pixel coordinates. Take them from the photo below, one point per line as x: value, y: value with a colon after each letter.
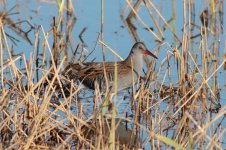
x: 91, y: 72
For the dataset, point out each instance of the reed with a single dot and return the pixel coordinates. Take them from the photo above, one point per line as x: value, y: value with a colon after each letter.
x: 177, y: 104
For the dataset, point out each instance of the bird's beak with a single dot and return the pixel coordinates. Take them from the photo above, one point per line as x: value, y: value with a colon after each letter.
x: 147, y: 52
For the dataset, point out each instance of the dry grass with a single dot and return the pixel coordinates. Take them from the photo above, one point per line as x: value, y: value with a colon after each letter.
x: 177, y: 103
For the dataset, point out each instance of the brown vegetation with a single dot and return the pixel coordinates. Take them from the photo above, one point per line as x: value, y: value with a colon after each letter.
x: 41, y: 109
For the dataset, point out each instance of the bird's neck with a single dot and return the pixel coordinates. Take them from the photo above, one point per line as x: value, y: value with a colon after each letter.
x: 135, y: 61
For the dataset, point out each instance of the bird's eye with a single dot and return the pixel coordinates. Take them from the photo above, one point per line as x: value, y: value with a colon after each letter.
x: 140, y: 47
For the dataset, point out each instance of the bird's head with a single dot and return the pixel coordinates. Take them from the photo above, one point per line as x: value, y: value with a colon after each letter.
x: 140, y: 48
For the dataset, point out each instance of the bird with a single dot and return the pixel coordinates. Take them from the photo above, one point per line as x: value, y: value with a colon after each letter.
x: 92, y: 73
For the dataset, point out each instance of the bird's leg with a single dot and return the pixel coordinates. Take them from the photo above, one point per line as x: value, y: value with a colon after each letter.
x: 110, y: 104
x: 107, y: 102
x: 131, y: 98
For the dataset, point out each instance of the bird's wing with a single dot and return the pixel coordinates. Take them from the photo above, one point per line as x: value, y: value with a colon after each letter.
x: 91, y: 72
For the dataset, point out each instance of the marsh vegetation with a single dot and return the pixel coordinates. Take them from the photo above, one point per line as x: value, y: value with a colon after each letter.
x: 179, y: 102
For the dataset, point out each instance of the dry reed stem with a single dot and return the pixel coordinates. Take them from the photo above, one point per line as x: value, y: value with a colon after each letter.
x: 138, y: 17
x: 111, y: 50
x: 30, y: 110
x: 198, y: 90
x: 159, y: 14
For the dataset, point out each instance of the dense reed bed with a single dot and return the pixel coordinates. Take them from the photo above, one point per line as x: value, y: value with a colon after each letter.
x: 177, y: 104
